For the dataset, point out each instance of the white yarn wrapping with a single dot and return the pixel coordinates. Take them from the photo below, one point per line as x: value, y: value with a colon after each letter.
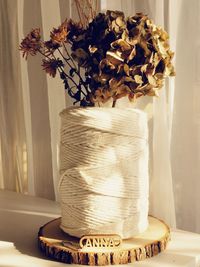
x: 104, y: 185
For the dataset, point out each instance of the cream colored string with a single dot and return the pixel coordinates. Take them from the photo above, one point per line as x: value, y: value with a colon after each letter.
x: 104, y: 171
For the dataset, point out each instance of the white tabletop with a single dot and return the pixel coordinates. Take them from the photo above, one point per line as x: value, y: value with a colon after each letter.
x: 21, y: 217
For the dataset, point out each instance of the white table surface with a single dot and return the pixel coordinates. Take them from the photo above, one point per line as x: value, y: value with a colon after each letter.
x: 21, y: 217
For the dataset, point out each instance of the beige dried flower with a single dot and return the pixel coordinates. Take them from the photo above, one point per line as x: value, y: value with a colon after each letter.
x: 119, y: 56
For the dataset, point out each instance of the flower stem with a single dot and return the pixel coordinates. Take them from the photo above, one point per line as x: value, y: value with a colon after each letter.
x: 69, y: 55
x: 77, y: 71
x: 114, y: 103
x: 61, y: 69
x: 66, y: 59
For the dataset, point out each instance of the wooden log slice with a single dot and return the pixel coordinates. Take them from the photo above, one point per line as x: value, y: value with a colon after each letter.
x: 56, y: 244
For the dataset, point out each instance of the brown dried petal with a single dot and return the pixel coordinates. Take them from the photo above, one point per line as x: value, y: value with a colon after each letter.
x: 101, y: 95
x: 132, y: 54
x: 144, y: 68
x: 164, y: 35
x: 120, y: 22
x: 159, y: 76
x: 170, y: 54
x: 115, y: 27
x: 133, y: 96
x: 105, y: 65
x: 121, y: 91
x: 149, y: 22
x: 169, y: 70
x: 155, y: 59
x: 135, y: 70
x: 150, y: 69
x: 103, y: 78
x: 138, y: 79
x: 114, y: 58
x: 153, y: 92
x: 159, y: 83
x: 129, y: 79
x: 120, y: 69
x: 152, y: 80
x: 161, y: 48
x: 143, y: 44
x: 92, y: 49
x: 126, y: 69
x: 114, y: 83
x: 120, y: 43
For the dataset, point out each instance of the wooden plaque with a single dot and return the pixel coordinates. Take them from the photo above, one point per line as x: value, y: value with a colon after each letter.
x: 56, y: 244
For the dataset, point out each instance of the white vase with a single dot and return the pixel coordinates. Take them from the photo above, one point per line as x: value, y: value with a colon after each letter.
x: 104, y: 184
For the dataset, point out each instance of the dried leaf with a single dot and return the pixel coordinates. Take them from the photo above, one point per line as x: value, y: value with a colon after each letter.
x: 105, y: 63
x: 144, y: 68
x: 92, y: 49
x: 123, y: 45
x: 138, y: 79
x: 114, y: 83
x: 126, y: 69
x: 132, y: 54
x: 163, y: 34
x: 152, y: 80
x: 159, y: 76
x: 114, y: 58
x: 161, y: 47
x: 129, y: 79
x: 153, y: 92
x: 143, y: 44
x: 169, y: 70
x: 103, y: 78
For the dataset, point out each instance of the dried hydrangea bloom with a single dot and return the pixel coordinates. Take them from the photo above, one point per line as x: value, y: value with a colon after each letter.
x: 134, y: 51
x: 31, y: 44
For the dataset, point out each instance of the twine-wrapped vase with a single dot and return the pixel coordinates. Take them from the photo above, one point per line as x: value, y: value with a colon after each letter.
x: 104, y: 184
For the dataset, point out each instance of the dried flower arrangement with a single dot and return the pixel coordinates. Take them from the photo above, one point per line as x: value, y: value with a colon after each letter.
x: 111, y: 57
